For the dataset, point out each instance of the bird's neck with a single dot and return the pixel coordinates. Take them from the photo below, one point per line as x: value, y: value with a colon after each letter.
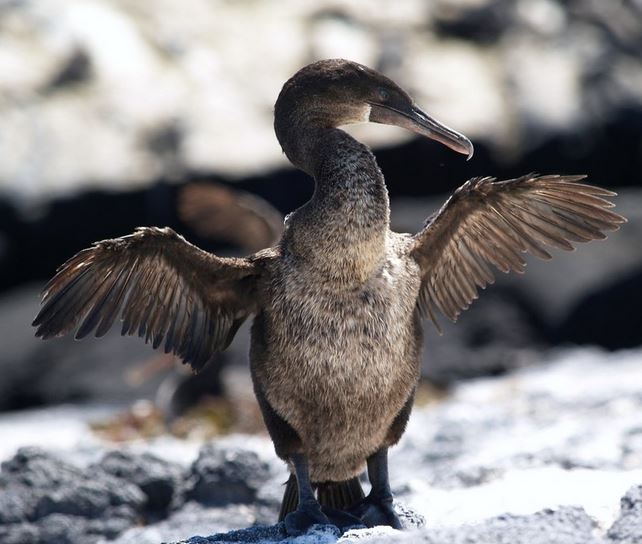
x: 342, y: 230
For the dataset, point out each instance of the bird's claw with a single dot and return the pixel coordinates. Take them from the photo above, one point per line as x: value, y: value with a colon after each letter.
x: 303, y: 518
x: 374, y: 511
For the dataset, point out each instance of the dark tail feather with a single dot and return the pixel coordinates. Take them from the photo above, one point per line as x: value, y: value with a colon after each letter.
x: 290, y: 498
x: 340, y: 495
x: 337, y: 495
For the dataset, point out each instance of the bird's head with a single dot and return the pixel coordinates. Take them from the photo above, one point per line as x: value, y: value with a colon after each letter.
x: 335, y: 92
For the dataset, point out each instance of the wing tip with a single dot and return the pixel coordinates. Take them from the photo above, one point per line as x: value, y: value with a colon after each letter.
x: 621, y: 220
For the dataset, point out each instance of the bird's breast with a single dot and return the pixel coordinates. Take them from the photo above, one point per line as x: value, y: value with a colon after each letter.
x: 337, y: 351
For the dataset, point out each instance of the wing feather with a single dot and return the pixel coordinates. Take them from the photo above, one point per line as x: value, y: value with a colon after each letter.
x: 488, y: 222
x: 162, y: 288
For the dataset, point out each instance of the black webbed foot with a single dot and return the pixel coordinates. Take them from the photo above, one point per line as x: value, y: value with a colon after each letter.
x: 304, y: 517
x: 374, y: 511
x: 343, y: 520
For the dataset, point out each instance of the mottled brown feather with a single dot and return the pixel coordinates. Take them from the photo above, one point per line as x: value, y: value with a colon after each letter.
x: 163, y: 287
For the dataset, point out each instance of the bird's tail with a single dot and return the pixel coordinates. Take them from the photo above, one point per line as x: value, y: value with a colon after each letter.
x: 337, y: 495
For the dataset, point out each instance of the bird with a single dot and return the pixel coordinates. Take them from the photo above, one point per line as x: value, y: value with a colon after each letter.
x: 339, y: 303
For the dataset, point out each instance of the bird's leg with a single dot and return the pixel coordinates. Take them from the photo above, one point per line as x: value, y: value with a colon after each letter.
x: 376, y: 508
x: 308, y: 512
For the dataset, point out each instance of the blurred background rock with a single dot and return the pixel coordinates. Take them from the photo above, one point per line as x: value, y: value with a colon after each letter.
x: 116, y: 114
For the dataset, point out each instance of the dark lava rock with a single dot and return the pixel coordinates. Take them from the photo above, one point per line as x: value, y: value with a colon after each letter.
x: 160, y: 480
x: 62, y: 529
x: 45, y: 500
x: 276, y: 533
x: 20, y: 533
x: 627, y: 529
x: 224, y: 475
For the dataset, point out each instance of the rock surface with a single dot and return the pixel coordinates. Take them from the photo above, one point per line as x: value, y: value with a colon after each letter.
x: 226, y: 476
x: 562, y: 526
x: 627, y: 529
x: 552, y: 526
x: 160, y: 480
x: 46, y: 500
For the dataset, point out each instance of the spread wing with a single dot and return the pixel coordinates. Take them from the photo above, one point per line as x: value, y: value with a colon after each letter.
x: 163, y: 288
x: 488, y: 222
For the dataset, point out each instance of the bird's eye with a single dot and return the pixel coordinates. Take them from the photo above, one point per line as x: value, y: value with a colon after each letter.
x: 382, y: 94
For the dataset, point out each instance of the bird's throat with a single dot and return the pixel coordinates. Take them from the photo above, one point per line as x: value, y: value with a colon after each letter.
x: 342, y: 230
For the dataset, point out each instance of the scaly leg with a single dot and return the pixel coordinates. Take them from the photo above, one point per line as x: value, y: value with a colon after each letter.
x: 376, y: 508
x: 308, y: 512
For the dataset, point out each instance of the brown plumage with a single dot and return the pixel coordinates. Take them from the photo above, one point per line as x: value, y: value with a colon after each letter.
x: 161, y: 287
x: 488, y: 222
x: 336, y: 337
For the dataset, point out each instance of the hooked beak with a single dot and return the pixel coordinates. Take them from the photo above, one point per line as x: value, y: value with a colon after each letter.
x: 417, y: 121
